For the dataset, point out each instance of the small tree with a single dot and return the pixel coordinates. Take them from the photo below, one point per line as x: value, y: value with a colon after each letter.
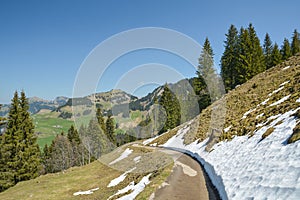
x: 295, y: 43
x: 100, y: 119
x: 268, y: 48
x: 276, y: 57
x: 110, y: 129
x: 286, y: 49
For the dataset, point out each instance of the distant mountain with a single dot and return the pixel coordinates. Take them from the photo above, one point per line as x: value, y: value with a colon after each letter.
x: 36, y: 104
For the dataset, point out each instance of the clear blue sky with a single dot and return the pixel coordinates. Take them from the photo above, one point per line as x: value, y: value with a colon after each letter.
x: 43, y: 43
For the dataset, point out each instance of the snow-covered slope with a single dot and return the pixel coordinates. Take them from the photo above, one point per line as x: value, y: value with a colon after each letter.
x: 253, y: 158
x: 250, y: 167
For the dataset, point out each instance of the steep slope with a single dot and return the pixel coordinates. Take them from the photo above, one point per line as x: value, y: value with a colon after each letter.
x: 254, y: 155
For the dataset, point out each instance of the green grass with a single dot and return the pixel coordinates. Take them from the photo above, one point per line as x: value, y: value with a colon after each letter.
x: 135, y: 114
x: 48, y: 125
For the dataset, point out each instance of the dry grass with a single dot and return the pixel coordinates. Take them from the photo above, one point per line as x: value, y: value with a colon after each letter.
x: 62, y: 185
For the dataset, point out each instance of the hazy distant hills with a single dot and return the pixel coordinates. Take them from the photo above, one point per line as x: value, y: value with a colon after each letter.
x: 36, y: 104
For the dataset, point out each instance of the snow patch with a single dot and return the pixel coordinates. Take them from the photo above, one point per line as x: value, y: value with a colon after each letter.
x: 137, y: 159
x: 275, y: 91
x: 125, y: 154
x: 286, y: 67
x: 281, y: 100
x: 119, y: 179
x: 265, y: 101
x: 251, y: 168
x: 187, y: 169
x: 227, y: 129
x: 247, y: 113
x: 298, y: 100
x: 282, y: 84
x: 136, y: 189
x: 91, y: 191
x: 260, y: 115
x: 149, y: 140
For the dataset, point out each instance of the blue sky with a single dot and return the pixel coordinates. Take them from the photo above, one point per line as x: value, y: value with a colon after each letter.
x: 43, y: 43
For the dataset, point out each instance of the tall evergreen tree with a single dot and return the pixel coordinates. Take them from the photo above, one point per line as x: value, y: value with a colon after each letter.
x: 295, y: 43
x: 286, y: 49
x: 110, y: 129
x: 30, y: 152
x: 100, y: 119
x: 251, y: 58
x: 267, y: 48
x: 276, y: 56
x: 205, y: 67
x: 172, y: 108
x: 229, y: 58
x: 9, y: 163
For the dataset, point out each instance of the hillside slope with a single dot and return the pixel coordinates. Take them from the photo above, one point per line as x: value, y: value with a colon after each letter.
x: 257, y: 153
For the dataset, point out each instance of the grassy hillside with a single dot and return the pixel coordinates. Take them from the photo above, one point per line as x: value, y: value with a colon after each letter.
x: 48, y: 125
x: 257, y: 97
x: 96, y: 175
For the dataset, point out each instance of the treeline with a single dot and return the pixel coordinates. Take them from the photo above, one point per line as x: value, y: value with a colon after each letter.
x: 244, y: 56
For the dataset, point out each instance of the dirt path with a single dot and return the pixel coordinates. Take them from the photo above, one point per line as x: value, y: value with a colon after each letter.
x: 186, y: 182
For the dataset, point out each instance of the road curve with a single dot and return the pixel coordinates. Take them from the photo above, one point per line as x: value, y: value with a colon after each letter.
x: 188, y: 181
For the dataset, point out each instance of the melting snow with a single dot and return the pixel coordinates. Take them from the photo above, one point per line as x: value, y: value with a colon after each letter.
x: 125, y: 154
x: 247, y: 113
x: 227, y: 129
x: 149, y: 140
x: 260, y: 115
x: 119, y: 179
x: 251, y: 168
x: 282, y: 84
x: 286, y: 67
x: 275, y: 91
x: 137, y: 159
x: 136, y: 189
x: 265, y: 101
x: 281, y: 100
x: 298, y: 100
x: 85, y: 192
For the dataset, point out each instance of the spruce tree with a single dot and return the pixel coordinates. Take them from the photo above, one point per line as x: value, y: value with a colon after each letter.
x: 100, y: 119
x: 276, y: 56
x: 205, y: 67
x: 9, y: 163
x: 110, y: 129
x: 30, y: 152
x: 295, y: 43
x: 172, y: 108
x: 229, y: 58
x: 251, y: 58
x: 267, y: 48
x: 286, y: 49
x: 73, y: 135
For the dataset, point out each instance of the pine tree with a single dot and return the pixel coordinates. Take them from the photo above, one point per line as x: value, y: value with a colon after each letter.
x: 205, y: 67
x: 110, y: 129
x: 276, y: 57
x: 73, y: 135
x: 9, y: 163
x: 251, y: 58
x: 30, y: 151
x: 172, y: 108
x: 229, y: 58
x: 295, y: 43
x: 100, y: 119
x: 286, y: 49
x: 267, y: 48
